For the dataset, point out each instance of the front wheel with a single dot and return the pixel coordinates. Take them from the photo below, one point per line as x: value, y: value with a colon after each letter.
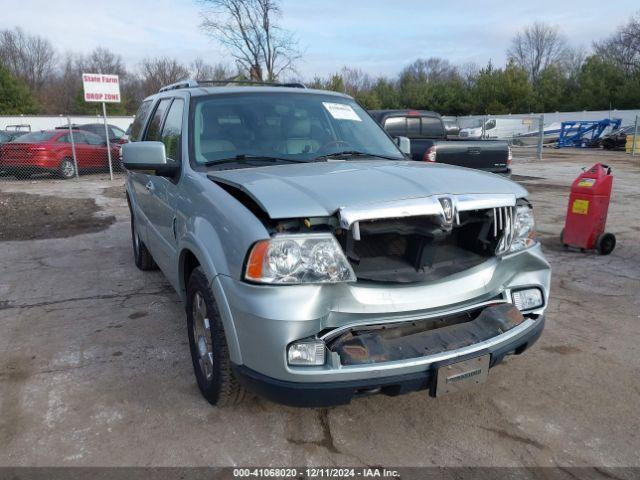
x: 209, y: 350
x: 67, y: 169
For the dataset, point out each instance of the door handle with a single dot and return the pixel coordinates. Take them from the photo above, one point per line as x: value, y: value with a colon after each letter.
x: 149, y: 186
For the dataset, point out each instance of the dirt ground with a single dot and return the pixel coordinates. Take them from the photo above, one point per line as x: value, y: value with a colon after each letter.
x: 30, y: 217
x: 95, y: 368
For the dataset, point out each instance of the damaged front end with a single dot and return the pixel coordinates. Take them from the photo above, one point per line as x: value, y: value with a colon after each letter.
x: 369, y: 344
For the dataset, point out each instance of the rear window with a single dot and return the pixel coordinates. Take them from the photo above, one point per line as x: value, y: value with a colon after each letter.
x: 35, y: 137
x: 396, y: 126
x: 414, y: 127
x: 141, y: 118
x: 432, y: 127
x: 153, y: 130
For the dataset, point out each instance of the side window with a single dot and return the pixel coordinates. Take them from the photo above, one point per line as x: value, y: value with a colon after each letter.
x: 396, y: 126
x: 141, y: 118
x: 64, y: 139
x: 93, y: 139
x: 490, y: 125
x: 153, y: 130
x: 172, y: 130
x: 78, y: 137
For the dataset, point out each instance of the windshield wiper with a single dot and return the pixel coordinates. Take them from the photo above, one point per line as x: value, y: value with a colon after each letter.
x: 248, y: 158
x: 352, y: 153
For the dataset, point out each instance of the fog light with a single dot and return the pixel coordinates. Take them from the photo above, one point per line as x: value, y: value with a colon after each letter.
x: 527, y: 299
x: 306, y: 352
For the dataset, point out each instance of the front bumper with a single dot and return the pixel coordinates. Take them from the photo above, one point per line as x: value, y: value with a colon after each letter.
x: 261, y: 321
x: 321, y: 394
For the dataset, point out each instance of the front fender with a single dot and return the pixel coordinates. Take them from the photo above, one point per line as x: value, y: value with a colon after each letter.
x: 191, y: 244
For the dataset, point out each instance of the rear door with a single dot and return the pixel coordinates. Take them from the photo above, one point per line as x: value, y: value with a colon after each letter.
x: 153, y: 199
x: 165, y: 192
x: 90, y: 150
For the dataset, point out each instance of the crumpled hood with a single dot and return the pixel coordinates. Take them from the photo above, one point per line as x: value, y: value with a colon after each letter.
x: 319, y: 189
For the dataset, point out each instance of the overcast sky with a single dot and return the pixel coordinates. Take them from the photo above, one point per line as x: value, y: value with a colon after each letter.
x: 378, y: 36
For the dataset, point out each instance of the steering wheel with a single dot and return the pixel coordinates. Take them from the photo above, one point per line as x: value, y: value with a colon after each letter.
x: 325, y: 147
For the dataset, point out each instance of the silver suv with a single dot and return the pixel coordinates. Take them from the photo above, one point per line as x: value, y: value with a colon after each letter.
x: 316, y: 262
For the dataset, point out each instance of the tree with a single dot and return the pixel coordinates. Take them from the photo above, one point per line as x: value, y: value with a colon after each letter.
x: 499, y: 91
x: 623, y: 47
x: 160, y: 71
x: 552, y: 90
x: 15, y: 98
x: 205, y: 71
x: 423, y: 83
x: 536, y: 48
x: 30, y: 58
x: 248, y: 30
x: 601, y: 85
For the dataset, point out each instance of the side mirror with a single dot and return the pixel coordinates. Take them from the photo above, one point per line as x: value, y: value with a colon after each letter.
x: 148, y: 157
x: 404, y: 144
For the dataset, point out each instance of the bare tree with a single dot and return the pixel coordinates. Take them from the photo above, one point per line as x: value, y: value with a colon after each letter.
x: 429, y: 70
x: 102, y: 60
x: 248, y: 30
x: 355, y: 80
x: 28, y: 57
x: 623, y: 47
x: 572, y: 61
x: 61, y: 94
x: 160, y: 71
x: 537, y: 47
x: 201, y: 70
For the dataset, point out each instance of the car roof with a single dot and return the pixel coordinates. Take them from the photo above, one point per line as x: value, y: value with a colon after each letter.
x: 379, y: 114
x: 204, y: 91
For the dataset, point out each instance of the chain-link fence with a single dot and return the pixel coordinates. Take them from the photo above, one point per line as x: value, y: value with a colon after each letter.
x: 67, y: 151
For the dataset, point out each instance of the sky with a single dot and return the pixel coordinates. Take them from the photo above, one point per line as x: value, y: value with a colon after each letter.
x: 378, y: 36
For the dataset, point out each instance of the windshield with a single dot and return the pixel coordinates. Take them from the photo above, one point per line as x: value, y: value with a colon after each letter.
x: 35, y: 137
x: 290, y: 126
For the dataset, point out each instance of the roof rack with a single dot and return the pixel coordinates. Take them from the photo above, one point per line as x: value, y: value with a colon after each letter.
x: 203, y: 83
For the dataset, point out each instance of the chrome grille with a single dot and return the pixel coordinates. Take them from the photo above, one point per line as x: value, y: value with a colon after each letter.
x: 503, y: 227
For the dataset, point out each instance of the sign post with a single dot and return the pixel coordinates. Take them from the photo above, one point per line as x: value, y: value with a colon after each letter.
x: 103, y: 88
x: 73, y: 147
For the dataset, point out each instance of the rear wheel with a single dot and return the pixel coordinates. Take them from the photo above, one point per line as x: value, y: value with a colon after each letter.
x: 606, y: 243
x: 208, y: 344
x: 67, y: 169
x: 141, y: 256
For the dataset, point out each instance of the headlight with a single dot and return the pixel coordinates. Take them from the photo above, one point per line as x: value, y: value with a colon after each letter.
x: 293, y: 259
x: 524, y: 229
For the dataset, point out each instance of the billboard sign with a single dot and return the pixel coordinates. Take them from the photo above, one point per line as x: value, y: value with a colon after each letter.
x: 99, y: 87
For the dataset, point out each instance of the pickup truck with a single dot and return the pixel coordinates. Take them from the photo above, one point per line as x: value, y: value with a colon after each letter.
x: 429, y: 142
x: 315, y: 261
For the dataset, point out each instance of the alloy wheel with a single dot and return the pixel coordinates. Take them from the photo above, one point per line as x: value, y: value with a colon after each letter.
x: 202, y: 335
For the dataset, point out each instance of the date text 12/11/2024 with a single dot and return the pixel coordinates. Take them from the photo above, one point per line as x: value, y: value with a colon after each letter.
x: 315, y: 472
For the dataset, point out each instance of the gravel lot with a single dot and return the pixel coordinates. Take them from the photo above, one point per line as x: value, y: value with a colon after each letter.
x: 95, y: 369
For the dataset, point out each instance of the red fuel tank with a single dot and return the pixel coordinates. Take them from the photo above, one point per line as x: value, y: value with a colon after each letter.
x: 587, y: 211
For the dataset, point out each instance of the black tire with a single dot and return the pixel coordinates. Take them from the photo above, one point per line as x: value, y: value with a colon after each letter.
x: 67, y: 169
x: 606, y: 243
x: 212, y: 367
x: 141, y: 256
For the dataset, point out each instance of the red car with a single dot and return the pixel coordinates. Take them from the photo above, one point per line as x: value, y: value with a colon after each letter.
x: 51, y: 151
